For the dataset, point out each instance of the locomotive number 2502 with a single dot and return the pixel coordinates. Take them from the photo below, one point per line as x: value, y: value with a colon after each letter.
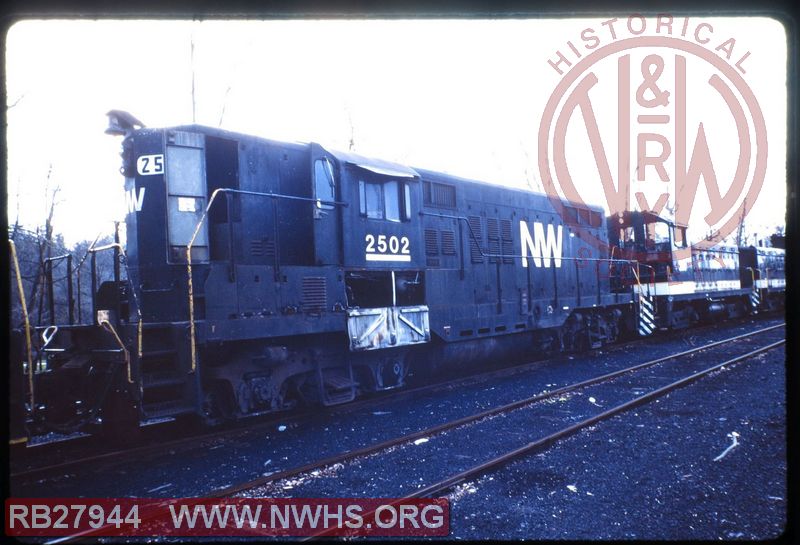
x: 383, y: 248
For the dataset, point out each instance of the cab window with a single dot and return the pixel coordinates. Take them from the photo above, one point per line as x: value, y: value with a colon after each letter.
x: 324, y: 188
x: 680, y: 237
x: 388, y: 200
x: 661, y: 232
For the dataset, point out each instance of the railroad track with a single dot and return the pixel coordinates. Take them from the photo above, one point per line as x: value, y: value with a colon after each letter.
x: 64, y: 455
x: 543, y: 443
x: 460, y: 422
x: 448, y: 482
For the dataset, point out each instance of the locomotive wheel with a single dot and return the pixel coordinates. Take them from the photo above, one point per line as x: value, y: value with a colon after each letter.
x: 287, y: 397
x: 218, y: 403
x: 390, y: 372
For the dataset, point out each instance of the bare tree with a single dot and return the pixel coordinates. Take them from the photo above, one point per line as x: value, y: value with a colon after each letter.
x: 224, y: 104
x: 740, y: 238
x: 45, y: 245
x: 16, y: 227
x: 19, y: 99
x: 530, y: 177
x: 352, y: 145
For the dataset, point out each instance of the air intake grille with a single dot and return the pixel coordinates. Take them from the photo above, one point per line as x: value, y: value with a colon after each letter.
x: 508, y: 242
x: 493, y: 230
x: 262, y: 247
x: 315, y: 294
x: 436, y: 194
x: 448, y: 243
x: 431, y: 246
x: 475, y: 239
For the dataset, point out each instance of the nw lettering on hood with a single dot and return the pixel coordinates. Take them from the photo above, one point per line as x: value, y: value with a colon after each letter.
x: 134, y: 201
x: 540, y: 246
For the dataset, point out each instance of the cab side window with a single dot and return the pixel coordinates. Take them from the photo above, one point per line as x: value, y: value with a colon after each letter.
x: 370, y: 199
x: 324, y: 186
x: 389, y: 200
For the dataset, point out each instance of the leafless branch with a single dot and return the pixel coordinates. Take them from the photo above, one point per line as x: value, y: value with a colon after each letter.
x: 352, y: 145
x: 15, y: 102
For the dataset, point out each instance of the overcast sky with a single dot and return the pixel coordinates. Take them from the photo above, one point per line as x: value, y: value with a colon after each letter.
x: 463, y: 97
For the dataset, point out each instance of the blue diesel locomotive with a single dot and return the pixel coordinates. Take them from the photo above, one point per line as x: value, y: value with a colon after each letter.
x: 261, y: 274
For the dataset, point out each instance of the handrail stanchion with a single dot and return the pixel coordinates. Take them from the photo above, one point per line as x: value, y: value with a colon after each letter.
x: 25, y: 316
x: 70, y: 301
x: 78, y: 277
x: 48, y: 269
x: 118, y: 250
x: 94, y: 286
x: 51, y: 304
x: 105, y: 324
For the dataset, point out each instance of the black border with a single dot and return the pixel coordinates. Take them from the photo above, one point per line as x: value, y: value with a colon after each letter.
x: 785, y: 12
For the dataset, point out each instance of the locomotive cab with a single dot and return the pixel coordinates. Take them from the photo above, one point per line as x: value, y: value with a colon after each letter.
x: 649, y: 239
x: 383, y: 255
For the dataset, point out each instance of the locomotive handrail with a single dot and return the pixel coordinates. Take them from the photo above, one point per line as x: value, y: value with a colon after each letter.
x: 48, y: 263
x: 631, y: 262
x: 27, y: 321
x: 140, y: 325
x: 752, y: 276
x: 105, y: 324
x: 638, y: 277
x: 78, y: 275
x: 109, y: 246
x: 197, y: 231
x: 523, y: 256
x: 57, y: 258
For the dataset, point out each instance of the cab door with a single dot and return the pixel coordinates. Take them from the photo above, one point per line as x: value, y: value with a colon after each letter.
x: 186, y: 196
x: 327, y: 216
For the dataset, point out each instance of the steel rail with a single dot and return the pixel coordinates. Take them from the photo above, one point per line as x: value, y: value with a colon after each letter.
x: 265, y: 421
x: 547, y: 441
x: 434, y: 430
x: 364, y: 403
x: 343, y: 457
